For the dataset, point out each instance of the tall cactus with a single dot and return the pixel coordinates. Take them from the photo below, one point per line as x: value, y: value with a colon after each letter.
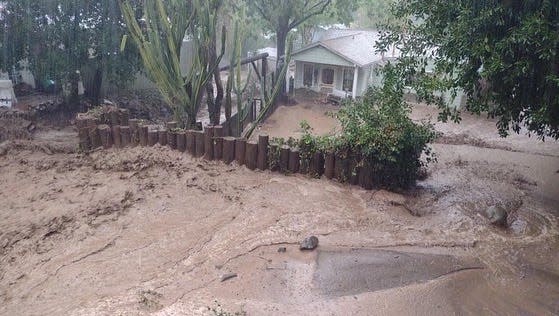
x: 159, y: 42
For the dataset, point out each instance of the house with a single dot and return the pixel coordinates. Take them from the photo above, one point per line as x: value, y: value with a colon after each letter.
x: 340, y: 62
x: 344, y: 63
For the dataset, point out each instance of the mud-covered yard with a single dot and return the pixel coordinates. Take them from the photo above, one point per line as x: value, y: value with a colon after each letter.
x: 139, y: 231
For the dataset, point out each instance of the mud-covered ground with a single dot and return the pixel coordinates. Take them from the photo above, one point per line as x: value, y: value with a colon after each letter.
x: 140, y: 231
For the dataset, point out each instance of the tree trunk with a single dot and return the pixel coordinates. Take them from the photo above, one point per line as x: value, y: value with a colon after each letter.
x: 281, y: 33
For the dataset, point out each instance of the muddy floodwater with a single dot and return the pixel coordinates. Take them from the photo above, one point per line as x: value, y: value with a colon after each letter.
x: 152, y: 231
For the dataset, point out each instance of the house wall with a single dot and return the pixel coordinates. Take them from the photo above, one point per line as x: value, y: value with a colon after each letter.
x: 363, y: 78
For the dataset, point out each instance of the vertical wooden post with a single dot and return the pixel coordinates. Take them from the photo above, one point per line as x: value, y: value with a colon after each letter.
x: 162, y: 139
x: 124, y: 117
x: 228, y: 149
x: 83, y: 134
x: 317, y: 165
x: 294, y: 160
x: 153, y: 137
x: 95, y: 138
x: 341, y: 167
x: 263, y: 142
x: 181, y: 141
x: 172, y: 138
x: 105, y: 135
x: 284, y: 158
x: 134, y: 132
x: 208, y: 143
x: 366, y: 176
x: 191, y: 142
x: 200, y: 150
x: 353, y: 171
x: 329, y: 165
x: 113, y: 117
x: 172, y: 125
x: 218, y: 142
x: 251, y: 154
x: 144, y: 135
x: 240, y: 150
x: 116, y: 136
x: 274, y: 157
x: 125, y: 136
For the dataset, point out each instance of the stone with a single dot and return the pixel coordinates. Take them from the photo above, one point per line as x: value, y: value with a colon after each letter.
x: 309, y: 243
x: 282, y: 249
x: 497, y: 215
x: 228, y: 276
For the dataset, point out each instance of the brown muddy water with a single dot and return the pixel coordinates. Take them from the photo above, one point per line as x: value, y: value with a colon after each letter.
x: 151, y: 231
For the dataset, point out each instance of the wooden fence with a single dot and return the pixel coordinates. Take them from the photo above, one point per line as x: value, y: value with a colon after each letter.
x: 213, y: 144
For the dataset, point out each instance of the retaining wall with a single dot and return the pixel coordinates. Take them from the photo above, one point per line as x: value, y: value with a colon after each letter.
x: 213, y: 144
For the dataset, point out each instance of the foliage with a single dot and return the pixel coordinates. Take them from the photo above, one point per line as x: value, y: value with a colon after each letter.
x: 219, y: 311
x: 377, y: 133
x: 503, y: 54
x: 159, y: 42
x: 283, y: 16
x: 340, y: 11
x: 379, y: 128
x: 374, y: 13
x: 269, y: 99
x: 58, y: 37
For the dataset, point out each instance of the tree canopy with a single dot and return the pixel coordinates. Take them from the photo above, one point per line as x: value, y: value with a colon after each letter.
x: 503, y: 54
x: 58, y: 37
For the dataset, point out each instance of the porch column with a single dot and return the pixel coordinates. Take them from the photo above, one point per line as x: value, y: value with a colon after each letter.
x: 355, y: 76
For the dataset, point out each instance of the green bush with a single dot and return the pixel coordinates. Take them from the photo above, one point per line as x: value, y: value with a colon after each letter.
x: 379, y: 128
x: 377, y: 133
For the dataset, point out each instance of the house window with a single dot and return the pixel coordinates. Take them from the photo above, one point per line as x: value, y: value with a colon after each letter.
x: 328, y: 76
x: 348, y: 79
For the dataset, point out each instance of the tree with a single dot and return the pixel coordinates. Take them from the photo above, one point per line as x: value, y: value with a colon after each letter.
x: 340, y: 11
x: 159, y: 35
x: 373, y: 13
x: 503, y: 54
x: 283, y: 16
x: 59, y: 37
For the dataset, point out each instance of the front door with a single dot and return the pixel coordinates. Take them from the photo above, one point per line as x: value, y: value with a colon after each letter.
x: 327, y: 80
x: 308, y: 73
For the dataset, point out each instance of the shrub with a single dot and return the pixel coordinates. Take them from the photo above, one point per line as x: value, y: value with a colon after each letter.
x: 377, y: 133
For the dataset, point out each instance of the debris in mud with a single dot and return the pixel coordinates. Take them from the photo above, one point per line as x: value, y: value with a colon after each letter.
x: 15, y: 124
x: 282, y: 249
x: 309, y: 243
x: 150, y: 300
x: 497, y: 215
x: 228, y: 276
x: 465, y: 139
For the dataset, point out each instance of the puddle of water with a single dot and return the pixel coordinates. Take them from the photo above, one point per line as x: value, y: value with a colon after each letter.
x: 341, y: 273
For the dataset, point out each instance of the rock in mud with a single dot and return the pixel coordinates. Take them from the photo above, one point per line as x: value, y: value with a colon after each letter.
x: 228, y: 276
x: 497, y: 215
x: 309, y: 243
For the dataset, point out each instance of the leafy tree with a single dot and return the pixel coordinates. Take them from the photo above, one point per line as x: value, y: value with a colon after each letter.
x: 373, y: 13
x: 340, y: 11
x: 283, y: 16
x: 58, y: 37
x: 503, y: 54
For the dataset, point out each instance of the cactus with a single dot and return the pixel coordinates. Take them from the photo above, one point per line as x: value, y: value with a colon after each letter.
x: 159, y: 42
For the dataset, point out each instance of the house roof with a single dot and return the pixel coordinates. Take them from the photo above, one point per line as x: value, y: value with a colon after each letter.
x: 355, y: 46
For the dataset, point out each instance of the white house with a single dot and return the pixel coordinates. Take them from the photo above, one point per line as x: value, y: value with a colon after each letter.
x: 340, y: 62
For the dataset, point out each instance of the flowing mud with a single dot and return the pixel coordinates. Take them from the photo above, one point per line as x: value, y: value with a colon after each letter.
x: 152, y: 231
